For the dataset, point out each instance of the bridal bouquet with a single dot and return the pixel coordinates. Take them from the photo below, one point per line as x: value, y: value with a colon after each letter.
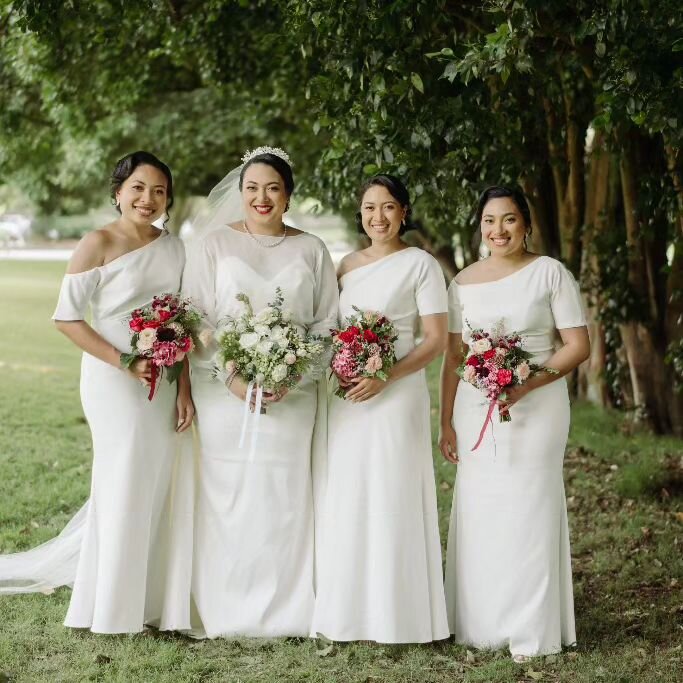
x: 495, y: 362
x: 364, y: 348
x: 164, y: 332
x: 266, y: 348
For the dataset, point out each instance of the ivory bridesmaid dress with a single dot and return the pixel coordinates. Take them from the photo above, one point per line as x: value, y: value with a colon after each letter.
x: 380, y: 552
x: 116, y: 550
x: 508, y: 568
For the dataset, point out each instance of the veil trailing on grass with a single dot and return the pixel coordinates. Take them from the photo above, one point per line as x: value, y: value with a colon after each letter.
x: 48, y: 566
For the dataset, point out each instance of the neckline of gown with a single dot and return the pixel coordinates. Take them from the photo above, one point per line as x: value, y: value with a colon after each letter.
x: 164, y: 233
x: 379, y: 260
x: 500, y: 279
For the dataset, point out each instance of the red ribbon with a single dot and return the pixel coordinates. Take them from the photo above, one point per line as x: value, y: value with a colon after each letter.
x: 153, y: 381
x: 492, y: 405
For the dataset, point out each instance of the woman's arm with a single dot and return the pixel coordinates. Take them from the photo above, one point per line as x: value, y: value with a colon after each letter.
x: 447, y: 388
x: 435, y: 333
x: 575, y: 349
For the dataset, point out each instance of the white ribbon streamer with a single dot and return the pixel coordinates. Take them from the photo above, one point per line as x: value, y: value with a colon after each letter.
x: 255, y: 421
x: 245, y: 414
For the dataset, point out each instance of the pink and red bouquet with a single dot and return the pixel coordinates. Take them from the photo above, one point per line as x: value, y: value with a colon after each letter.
x: 164, y: 332
x: 495, y: 362
x: 363, y: 348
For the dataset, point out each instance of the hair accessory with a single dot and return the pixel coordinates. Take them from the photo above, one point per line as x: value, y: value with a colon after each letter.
x: 266, y: 150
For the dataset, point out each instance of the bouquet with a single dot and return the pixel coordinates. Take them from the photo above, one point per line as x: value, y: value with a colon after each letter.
x: 266, y: 348
x: 496, y: 361
x: 364, y: 348
x: 165, y: 331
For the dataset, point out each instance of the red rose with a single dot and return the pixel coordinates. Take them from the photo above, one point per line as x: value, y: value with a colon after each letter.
x: 489, y: 354
x: 349, y: 335
x: 504, y: 377
x: 137, y: 324
x: 370, y: 336
x: 164, y: 315
x: 473, y: 361
x: 185, y: 344
x: 151, y: 323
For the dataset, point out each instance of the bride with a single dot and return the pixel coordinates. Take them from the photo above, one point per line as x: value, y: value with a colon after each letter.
x: 253, y: 546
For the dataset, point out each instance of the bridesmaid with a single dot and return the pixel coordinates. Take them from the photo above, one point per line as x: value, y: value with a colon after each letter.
x: 117, y: 538
x: 380, y: 557
x: 508, y: 568
x: 253, y: 547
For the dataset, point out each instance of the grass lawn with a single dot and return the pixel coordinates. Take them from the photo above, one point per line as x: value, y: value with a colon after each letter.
x: 624, y: 492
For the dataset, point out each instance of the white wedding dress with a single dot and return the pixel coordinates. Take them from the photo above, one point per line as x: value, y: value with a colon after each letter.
x: 380, y: 554
x: 508, y: 568
x: 116, y: 551
x: 253, y: 571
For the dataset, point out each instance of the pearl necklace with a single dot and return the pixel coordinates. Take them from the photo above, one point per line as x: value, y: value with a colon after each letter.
x: 262, y: 244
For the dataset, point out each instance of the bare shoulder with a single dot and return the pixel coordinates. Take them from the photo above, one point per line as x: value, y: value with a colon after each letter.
x: 349, y: 263
x: 91, y: 251
x: 470, y: 274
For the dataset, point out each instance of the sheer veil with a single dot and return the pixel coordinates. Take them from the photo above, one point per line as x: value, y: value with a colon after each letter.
x: 48, y: 566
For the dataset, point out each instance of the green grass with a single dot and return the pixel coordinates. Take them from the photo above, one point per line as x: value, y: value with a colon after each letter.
x: 624, y: 494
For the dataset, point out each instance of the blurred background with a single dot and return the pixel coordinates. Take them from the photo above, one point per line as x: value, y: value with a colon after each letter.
x: 579, y: 103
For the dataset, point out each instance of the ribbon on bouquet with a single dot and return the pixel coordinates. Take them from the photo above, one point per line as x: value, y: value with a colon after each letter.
x: 488, y: 419
x: 255, y: 419
x: 156, y: 376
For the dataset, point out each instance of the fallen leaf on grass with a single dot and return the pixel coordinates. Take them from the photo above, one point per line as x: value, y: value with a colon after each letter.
x: 469, y: 657
x: 679, y: 516
x: 534, y: 675
x: 327, y: 650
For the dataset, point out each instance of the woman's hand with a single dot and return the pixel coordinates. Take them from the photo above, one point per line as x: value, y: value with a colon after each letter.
x: 448, y: 444
x: 364, y: 389
x: 141, y: 369
x: 184, y: 410
x: 512, y: 395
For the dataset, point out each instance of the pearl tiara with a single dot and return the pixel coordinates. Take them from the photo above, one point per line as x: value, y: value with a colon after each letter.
x: 266, y: 150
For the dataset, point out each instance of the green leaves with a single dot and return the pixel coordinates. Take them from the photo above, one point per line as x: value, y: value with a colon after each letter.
x: 416, y: 80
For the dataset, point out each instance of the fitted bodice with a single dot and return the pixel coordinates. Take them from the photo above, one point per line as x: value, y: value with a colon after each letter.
x: 534, y: 301
x: 403, y: 286
x: 117, y: 288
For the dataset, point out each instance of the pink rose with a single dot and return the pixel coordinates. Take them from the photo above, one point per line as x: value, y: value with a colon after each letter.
x: 373, y: 364
x: 504, y: 377
x: 469, y: 374
x: 523, y: 371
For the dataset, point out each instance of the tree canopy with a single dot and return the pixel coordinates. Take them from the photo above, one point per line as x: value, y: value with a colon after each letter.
x: 577, y: 102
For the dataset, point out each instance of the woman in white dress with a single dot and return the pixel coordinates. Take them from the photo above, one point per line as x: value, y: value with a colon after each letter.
x: 508, y: 568
x: 380, y: 555
x: 114, y: 551
x: 253, y: 549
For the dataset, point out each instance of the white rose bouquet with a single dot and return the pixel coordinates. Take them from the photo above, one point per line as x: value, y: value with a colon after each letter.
x: 266, y: 348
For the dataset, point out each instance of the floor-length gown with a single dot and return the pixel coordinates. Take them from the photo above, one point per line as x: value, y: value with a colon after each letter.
x: 508, y: 568
x: 253, y: 571
x: 115, y: 551
x: 380, y: 556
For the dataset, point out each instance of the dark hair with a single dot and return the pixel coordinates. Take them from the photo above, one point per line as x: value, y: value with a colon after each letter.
x: 276, y: 162
x: 397, y: 190
x: 497, y: 192
x: 126, y: 165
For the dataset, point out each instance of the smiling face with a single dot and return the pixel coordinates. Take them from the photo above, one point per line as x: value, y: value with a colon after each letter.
x: 264, y: 195
x: 143, y: 196
x: 502, y: 227
x: 381, y: 214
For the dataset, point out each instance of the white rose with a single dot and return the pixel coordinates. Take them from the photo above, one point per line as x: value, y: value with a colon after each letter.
x: 469, y: 374
x: 262, y: 330
x: 279, y: 372
x: 264, y: 347
x: 287, y: 315
x: 205, y: 337
x: 290, y: 358
x: 240, y: 327
x: 265, y: 315
x: 249, y: 340
x: 301, y: 353
x: 146, y: 339
x: 481, y: 345
x: 230, y: 365
x: 259, y: 378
